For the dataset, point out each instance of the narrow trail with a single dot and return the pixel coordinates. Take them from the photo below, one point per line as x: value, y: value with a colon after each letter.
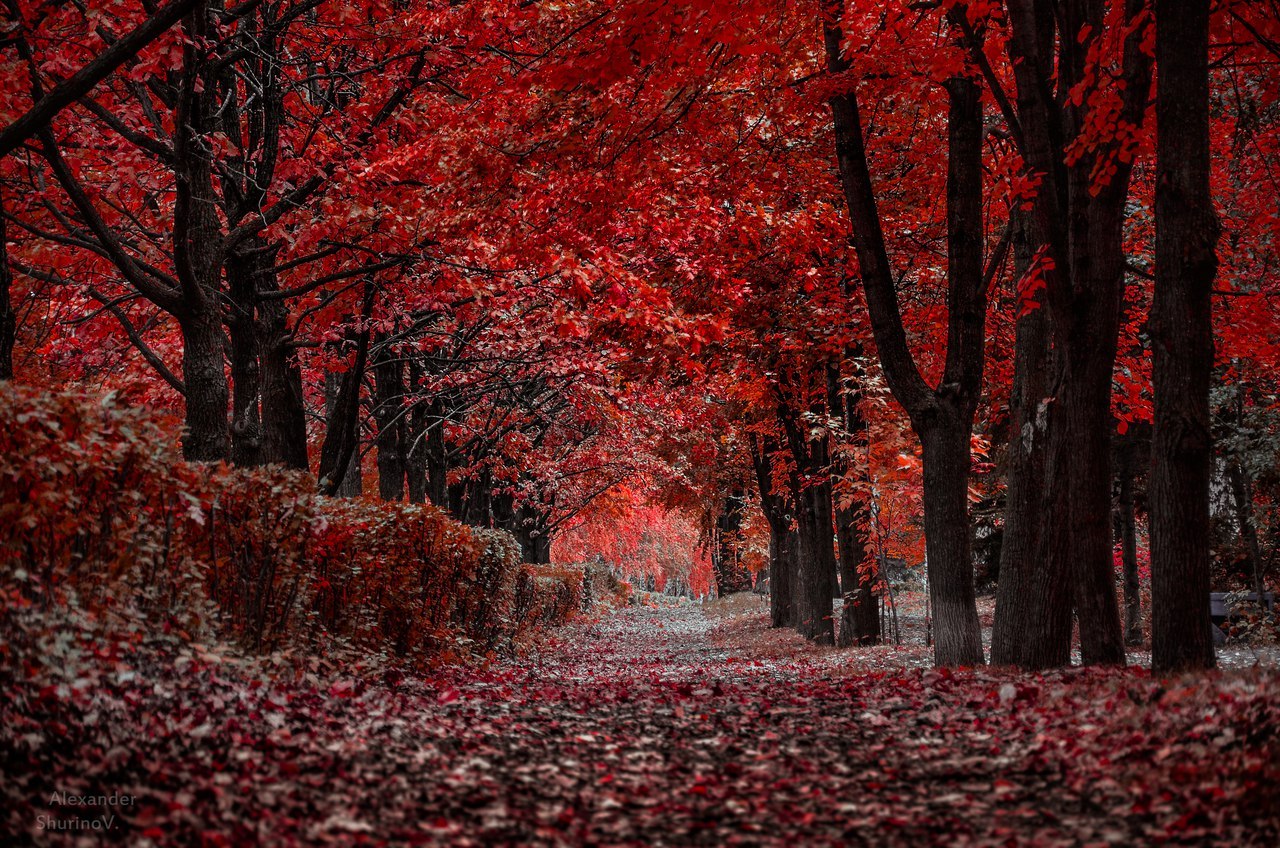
x: 679, y: 726
x: 647, y: 729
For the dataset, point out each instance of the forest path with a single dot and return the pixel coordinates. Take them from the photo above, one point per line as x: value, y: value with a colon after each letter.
x: 646, y: 728
x: 671, y: 726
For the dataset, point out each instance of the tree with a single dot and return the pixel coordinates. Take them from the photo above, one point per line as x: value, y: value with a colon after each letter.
x: 943, y: 416
x: 1082, y: 73
x: 1182, y: 336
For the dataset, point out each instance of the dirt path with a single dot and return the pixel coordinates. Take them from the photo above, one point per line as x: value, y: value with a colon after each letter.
x: 671, y: 727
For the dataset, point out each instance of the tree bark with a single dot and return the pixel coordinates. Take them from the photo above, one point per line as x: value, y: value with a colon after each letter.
x: 8, y: 320
x: 197, y: 248
x: 206, y: 436
x: 812, y: 594
x: 943, y: 417
x: 784, y: 548
x: 352, y: 484
x: 726, y: 558
x: 243, y: 270
x: 1025, y: 456
x: 948, y: 546
x: 1182, y: 343
x: 535, y: 535
x: 859, y: 614
x: 284, y: 412
x: 388, y: 413
x: 1242, y: 494
x: 1126, y: 521
x: 782, y: 540
x: 815, y: 551
x: 416, y: 438
x: 342, y: 438
x: 437, y: 455
x: 1080, y: 219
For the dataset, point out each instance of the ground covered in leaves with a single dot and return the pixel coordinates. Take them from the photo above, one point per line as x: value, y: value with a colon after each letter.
x: 665, y: 726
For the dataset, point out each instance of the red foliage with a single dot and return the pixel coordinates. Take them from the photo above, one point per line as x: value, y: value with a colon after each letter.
x: 97, y: 513
x: 653, y: 728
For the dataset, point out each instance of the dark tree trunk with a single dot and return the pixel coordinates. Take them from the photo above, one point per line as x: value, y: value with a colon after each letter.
x: 1091, y: 332
x: 504, y: 514
x: 1075, y: 543
x: 782, y: 540
x: 859, y: 614
x: 269, y: 424
x: 1028, y: 411
x: 437, y: 455
x: 811, y: 596
x: 197, y: 241
x: 815, y: 549
x: 342, y: 438
x: 1081, y: 223
x: 726, y: 560
x: 1242, y: 494
x: 352, y: 485
x: 1182, y: 342
x: 388, y: 413
x: 534, y: 535
x: 947, y: 546
x: 941, y: 417
x: 784, y: 545
x: 243, y: 270
x: 470, y: 500
x: 1127, y: 527
x: 415, y: 462
x: 284, y: 413
x: 207, y: 436
x: 8, y: 320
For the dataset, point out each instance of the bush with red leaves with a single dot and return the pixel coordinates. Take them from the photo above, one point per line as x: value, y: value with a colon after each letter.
x: 99, y: 516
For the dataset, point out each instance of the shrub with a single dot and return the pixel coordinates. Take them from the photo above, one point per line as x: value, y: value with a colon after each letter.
x: 97, y: 512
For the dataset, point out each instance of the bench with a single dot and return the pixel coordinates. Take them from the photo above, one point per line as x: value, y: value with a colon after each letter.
x: 1220, y: 611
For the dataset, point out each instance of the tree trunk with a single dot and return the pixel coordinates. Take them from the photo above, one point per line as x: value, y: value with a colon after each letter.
x: 342, y: 438
x: 388, y: 413
x: 783, y: 548
x: 815, y: 551
x: 1182, y: 343
x: 243, y: 269
x: 535, y: 537
x: 859, y: 614
x: 8, y: 320
x: 1081, y: 220
x: 1092, y: 333
x: 1242, y: 494
x: 197, y: 243
x: 811, y: 595
x: 352, y: 485
x: 1128, y: 532
x: 941, y: 417
x: 284, y: 413
x: 437, y: 456
x: 415, y: 462
x: 1025, y: 457
x: 207, y: 437
x: 782, y: 540
x: 947, y: 546
x: 726, y: 558
x: 1074, y: 553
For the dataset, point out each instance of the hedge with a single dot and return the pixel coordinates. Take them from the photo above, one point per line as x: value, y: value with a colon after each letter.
x: 98, y: 512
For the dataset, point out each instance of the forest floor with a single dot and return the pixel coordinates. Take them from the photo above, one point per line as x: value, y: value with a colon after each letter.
x: 674, y: 725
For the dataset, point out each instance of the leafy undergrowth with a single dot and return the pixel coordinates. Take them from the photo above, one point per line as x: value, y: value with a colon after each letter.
x: 742, y: 618
x: 642, y: 728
